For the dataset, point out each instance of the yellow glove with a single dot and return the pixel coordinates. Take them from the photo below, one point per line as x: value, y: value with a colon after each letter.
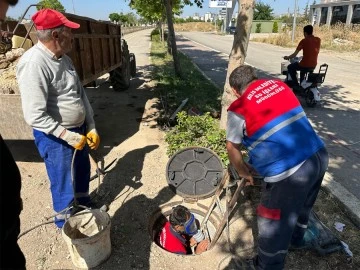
x: 74, y: 139
x: 93, y: 139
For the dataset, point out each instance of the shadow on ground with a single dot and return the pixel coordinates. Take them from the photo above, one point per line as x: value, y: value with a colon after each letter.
x: 131, y: 241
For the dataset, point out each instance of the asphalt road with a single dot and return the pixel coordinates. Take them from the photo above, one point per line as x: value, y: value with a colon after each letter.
x: 341, y: 84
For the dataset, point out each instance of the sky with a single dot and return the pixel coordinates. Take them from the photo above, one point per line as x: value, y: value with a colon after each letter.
x: 100, y: 9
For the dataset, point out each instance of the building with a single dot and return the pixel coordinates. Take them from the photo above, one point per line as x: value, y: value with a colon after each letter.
x: 332, y: 11
x: 208, y: 17
x: 196, y: 16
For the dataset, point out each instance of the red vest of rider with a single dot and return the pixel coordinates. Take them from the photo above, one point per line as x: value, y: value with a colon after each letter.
x: 171, y: 242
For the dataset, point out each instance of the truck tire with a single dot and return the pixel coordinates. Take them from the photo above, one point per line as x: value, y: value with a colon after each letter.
x: 132, y: 65
x: 120, y: 77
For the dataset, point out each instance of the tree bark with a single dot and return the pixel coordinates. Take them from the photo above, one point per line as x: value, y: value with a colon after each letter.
x: 238, y: 52
x: 161, y: 27
x: 171, y: 37
x: 162, y: 31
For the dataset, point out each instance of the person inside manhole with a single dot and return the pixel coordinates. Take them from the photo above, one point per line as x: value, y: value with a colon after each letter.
x: 181, y: 235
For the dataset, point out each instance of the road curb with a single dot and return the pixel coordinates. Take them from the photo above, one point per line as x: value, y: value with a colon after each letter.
x: 346, y: 200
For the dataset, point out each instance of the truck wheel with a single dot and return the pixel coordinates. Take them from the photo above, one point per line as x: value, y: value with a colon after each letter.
x: 132, y: 65
x: 120, y: 77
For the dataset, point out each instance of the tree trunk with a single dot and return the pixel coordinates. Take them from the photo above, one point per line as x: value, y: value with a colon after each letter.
x: 238, y: 52
x: 171, y: 36
x: 162, y: 31
x: 161, y: 28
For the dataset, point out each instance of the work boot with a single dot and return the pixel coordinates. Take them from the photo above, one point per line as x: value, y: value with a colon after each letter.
x: 307, y: 241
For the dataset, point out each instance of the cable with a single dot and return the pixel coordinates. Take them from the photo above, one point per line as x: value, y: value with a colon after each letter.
x: 65, y: 209
x: 72, y: 175
x: 33, y: 228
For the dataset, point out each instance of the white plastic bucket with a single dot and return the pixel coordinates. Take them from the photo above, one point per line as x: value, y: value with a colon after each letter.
x: 87, y: 235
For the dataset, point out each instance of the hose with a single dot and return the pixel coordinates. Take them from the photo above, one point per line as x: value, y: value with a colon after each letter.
x: 75, y: 204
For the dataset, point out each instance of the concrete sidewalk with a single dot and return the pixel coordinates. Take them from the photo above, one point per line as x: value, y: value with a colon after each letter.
x: 338, y: 126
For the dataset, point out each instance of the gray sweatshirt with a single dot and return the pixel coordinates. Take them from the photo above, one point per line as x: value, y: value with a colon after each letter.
x: 51, y: 93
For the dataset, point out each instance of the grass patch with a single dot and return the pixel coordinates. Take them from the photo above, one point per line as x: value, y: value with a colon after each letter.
x: 203, y: 95
x: 195, y: 124
x: 338, y: 37
x: 195, y: 26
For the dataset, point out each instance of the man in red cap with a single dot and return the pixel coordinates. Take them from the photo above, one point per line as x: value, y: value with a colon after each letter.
x: 55, y: 105
x: 11, y: 256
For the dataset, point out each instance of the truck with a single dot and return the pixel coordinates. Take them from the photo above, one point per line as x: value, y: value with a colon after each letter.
x: 98, y: 49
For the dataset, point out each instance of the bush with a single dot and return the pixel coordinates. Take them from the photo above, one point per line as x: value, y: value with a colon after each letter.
x: 200, y: 130
x: 275, y: 28
x: 156, y: 31
x: 155, y: 34
x: 258, y: 28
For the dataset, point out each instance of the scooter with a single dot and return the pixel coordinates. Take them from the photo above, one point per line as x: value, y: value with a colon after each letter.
x: 309, y: 86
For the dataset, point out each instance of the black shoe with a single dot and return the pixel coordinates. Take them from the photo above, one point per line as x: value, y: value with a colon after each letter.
x: 301, y: 246
x: 299, y: 91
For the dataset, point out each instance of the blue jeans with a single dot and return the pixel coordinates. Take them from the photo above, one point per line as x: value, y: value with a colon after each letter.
x: 57, y: 155
x: 284, y: 210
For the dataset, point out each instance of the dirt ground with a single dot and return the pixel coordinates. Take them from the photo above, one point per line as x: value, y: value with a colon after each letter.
x: 136, y: 186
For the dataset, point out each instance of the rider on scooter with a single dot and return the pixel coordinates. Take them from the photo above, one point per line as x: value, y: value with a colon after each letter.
x: 311, y: 47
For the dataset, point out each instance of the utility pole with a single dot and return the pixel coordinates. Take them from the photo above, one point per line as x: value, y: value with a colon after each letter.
x: 294, y: 22
x: 73, y: 6
x: 226, y: 18
x: 215, y: 23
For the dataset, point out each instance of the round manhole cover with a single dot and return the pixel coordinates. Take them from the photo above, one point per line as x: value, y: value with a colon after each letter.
x: 194, y: 172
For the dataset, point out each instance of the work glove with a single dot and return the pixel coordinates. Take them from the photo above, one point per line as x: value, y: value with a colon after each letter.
x: 93, y: 139
x: 74, y: 139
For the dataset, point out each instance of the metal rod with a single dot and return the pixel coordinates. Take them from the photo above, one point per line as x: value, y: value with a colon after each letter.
x: 294, y: 22
x: 219, y: 205
x: 22, y: 17
x: 231, y: 207
x: 26, y: 36
x: 217, y: 194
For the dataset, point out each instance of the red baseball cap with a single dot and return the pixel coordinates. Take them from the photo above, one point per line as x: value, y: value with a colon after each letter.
x: 49, y: 18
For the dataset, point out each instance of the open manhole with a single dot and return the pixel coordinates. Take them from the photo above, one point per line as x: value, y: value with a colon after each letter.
x: 160, y: 217
x: 193, y: 173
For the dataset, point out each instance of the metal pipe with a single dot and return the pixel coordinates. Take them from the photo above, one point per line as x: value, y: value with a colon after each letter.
x: 294, y: 22
x: 22, y: 17
x: 27, y: 34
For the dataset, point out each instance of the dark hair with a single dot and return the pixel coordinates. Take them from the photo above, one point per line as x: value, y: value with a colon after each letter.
x: 308, y: 29
x: 179, y: 215
x: 241, y: 77
x: 12, y: 2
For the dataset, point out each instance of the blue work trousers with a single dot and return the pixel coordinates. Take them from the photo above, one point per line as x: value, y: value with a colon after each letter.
x: 284, y: 211
x: 58, y: 155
